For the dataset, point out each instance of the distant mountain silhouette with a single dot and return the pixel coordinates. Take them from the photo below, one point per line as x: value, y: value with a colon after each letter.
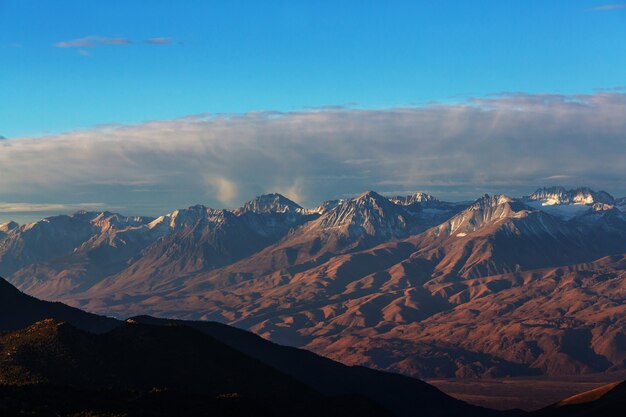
x: 143, y: 358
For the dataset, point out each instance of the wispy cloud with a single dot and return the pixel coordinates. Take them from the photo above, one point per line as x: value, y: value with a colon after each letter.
x: 223, y: 189
x: 609, y: 7
x: 159, y: 41
x: 91, y: 42
x: 47, y: 207
x: 557, y: 178
x: 83, y: 45
x: 498, y: 143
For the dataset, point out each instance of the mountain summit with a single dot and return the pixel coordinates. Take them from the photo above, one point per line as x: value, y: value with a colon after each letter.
x: 368, y: 214
x: 269, y: 203
x: 568, y: 204
x: 560, y: 195
x: 419, y: 198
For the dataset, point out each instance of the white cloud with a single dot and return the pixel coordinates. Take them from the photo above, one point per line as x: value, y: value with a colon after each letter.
x: 295, y: 191
x: 225, y: 191
x: 96, y: 40
x: 503, y: 143
x: 609, y: 7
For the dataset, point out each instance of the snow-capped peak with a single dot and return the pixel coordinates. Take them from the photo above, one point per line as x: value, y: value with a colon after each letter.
x: 8, y: 226
x: 269, y: 203
x: 363, y: 205
x: 182, y: 217
x: 559, y: 195
x: 567, y: 204
x: 113, y: 221
x: 369, y: 197
x: 549, y: 195
x: 490, y: 201
x: 486, y: 210
x: 325, y: 207
x: 419, y: 198
x: 367, y: 214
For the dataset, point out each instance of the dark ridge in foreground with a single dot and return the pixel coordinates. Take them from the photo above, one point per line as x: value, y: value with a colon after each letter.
x: 400, y: 394
x: 140, y: 366
x: 18, y: 310
x: 147, y: 366
x: 50, y: 400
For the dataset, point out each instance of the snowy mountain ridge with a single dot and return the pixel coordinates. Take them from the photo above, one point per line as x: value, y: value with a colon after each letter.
x: 568, y: 204
x: 560, y: 195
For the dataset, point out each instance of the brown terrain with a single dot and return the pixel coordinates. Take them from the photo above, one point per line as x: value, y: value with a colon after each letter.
x: 152, y: 367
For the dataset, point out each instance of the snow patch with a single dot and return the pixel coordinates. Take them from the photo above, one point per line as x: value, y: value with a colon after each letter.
x: 561, y: 211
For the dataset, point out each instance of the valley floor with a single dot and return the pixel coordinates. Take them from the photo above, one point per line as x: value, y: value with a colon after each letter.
x: 526, y: 393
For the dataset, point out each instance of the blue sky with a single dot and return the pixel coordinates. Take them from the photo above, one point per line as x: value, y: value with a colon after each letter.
x: 238, y: 56
x: 143, y: 107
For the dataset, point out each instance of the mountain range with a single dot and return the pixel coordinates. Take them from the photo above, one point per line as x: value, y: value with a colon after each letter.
x: 500, y: 286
